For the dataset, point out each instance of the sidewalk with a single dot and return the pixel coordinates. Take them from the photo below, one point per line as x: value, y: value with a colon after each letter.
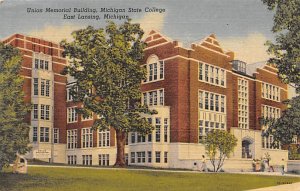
x: 285, y: 187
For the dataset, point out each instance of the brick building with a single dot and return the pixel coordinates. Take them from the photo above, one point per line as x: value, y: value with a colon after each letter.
x: 194, y: 90
x: 44, y: 88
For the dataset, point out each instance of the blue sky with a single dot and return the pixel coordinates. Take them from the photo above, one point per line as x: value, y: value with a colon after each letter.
x: 240, y: 25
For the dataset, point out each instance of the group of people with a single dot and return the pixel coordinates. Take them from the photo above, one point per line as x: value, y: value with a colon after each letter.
x: 270, y: 168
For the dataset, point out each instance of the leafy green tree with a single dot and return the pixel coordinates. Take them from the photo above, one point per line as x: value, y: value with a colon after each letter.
x: 14, y: 132
x: 107, y: 61
x: 288, y: 125
x: 219, y: 145
x: 286, y: 49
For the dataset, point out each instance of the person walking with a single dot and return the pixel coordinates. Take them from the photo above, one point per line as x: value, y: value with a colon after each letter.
x: 282, y: 166
x: 203, y: 167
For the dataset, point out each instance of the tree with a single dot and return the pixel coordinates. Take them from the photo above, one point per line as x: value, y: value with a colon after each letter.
x: 107, y: 61
x: 286, y: 49
x: 219, y: 144
x: 288, y: 125
x: 14, y: 132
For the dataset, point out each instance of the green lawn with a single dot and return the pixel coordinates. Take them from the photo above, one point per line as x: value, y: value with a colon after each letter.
x: 56, y: 179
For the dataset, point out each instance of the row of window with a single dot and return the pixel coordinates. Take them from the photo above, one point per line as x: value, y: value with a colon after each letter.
x: 44, y: 113
x: 43, y: 134
x: 87, y: 138
x: 211, y: 101
x: 41, y: 64
x: 140, y: 157
x: 271, y: 92
x: 155, y: 97
x: 212, y: 74
x: 270, y: 112
x: 207, y: 124
x: 44, y: 85
x: 73, y: 117
x: 161, y: 132
x: 243, y: 119
x: 155, y: 71
x: 103, y: 159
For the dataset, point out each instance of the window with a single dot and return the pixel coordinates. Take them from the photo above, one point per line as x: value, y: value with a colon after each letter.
x: 206, y: 100
x: 141, y: 138
x: 150, y: 72
x: 72, y: 116
x: 69, y: 96
x: 157, y: 156
x: 103, y: 159
x: 35, y: 111
x: 150, y: 134
x: 72, y: 159
x: 149, y: 153
x: 87, y: 160
x: 155, y: 69
x: 213, y: 115
x: 139, y: 157
x: 104, y: 138
x: 212, y: 102
x: 132, y: 157
x: 34, y: 134
x: 166, y: 129
x: 43, y: 111
x: 200, y: 126
x: 86, y: 118
x: 200, y: 100
x: 212, y: 74
x: 72, y: 139
x: 87, y: 137
x: 47, y: 88
x: 55, y: 135
x: 47, y: 112
x: 46, y: 65
x: 243, y: 118
x: 166, y: 157
x: 270, y: 112
x: 200, y: 71
x: 44, y: 134
x: 222, y: 104
x: 153, y: 97
x: 36, y: 63
x: 206, y: 72
x: 42, y: 87
x: 161, y: 69
x: 157, y: 129
x: 161, y: 97
x: 41, y: 64
x: 35, y: 86
x: 270, y: 92
x: 133, y: 137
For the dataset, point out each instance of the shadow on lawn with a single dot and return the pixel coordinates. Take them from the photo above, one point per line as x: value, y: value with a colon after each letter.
x: 16, y: 182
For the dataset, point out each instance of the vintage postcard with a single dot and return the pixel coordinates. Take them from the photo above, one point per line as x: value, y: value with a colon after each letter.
x: 149, y: 95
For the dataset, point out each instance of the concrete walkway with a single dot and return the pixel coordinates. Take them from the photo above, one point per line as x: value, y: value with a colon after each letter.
x: 284, y: 187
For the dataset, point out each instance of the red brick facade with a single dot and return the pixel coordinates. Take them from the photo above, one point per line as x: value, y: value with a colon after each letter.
x: 28, y: 46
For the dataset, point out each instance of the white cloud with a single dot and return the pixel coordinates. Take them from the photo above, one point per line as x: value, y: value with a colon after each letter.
x: 151, y: 21
x: 55, y: 33
x: 250, y: 48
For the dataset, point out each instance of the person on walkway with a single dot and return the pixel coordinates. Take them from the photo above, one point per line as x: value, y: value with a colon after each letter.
x: 282, y: 166
x: 203, y: 167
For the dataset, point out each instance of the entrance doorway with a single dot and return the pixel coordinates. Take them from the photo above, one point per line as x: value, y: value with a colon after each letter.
x: 246, y: 149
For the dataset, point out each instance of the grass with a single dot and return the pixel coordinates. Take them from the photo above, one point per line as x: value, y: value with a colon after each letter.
x: 66, y: 179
